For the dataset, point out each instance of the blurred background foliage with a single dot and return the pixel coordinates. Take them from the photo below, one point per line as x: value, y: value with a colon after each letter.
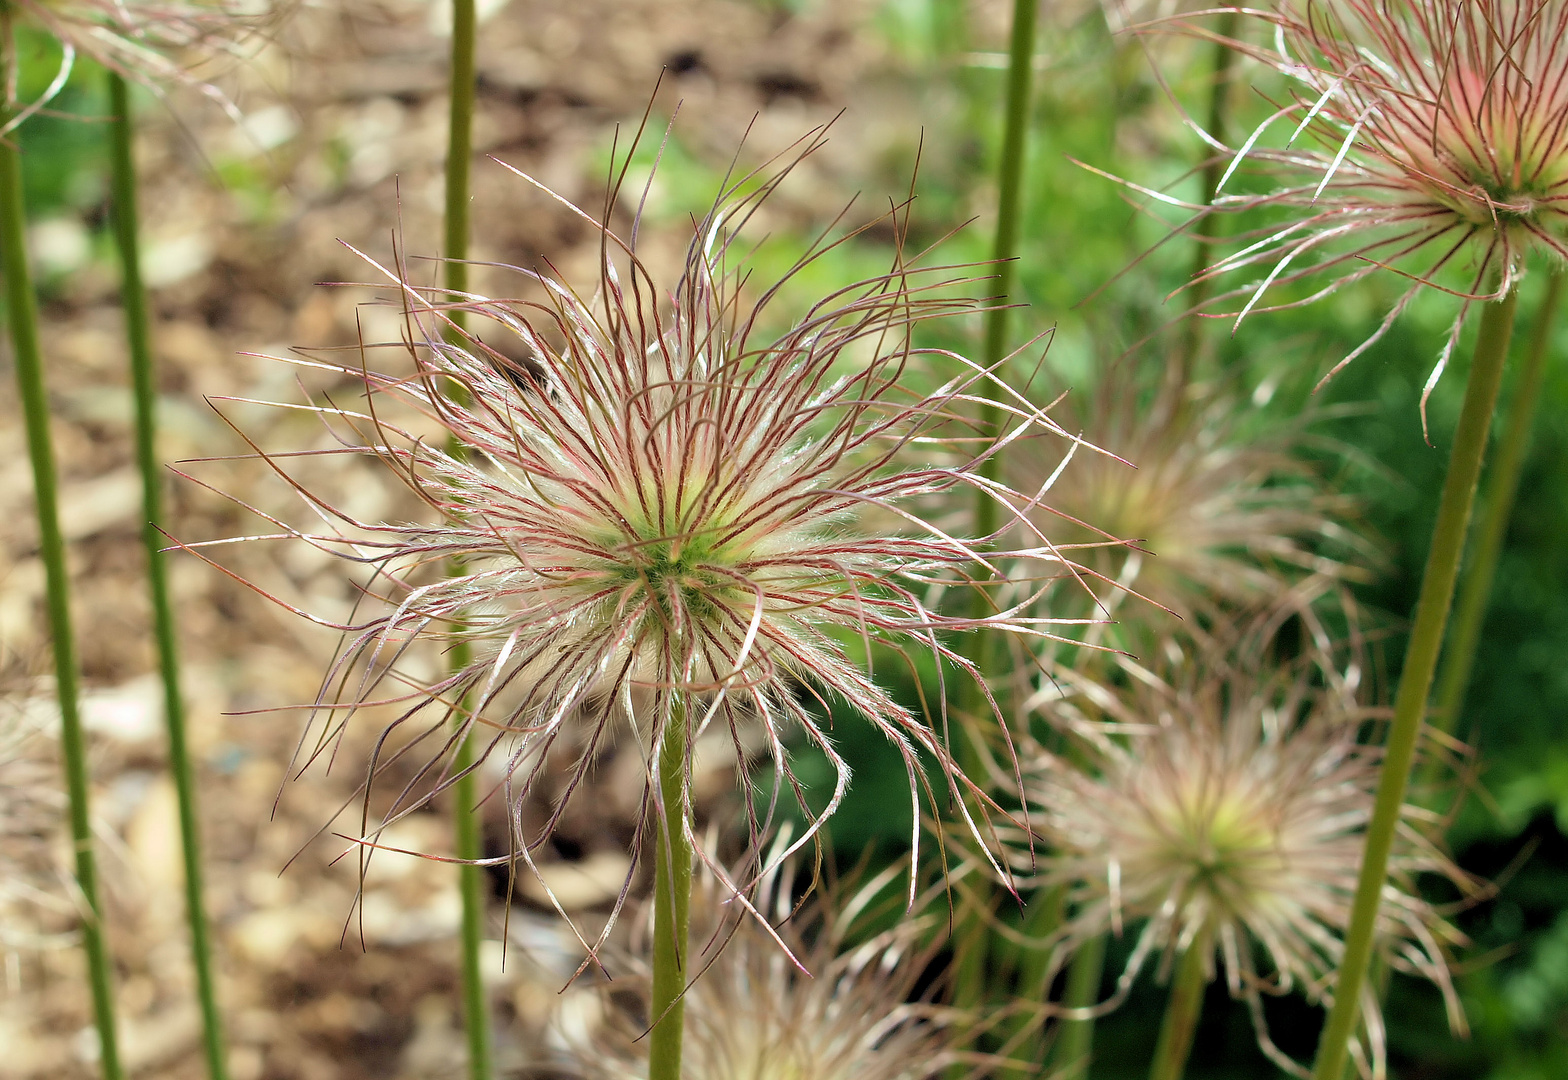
x: 1090, y: 269
x: 1093, y: 271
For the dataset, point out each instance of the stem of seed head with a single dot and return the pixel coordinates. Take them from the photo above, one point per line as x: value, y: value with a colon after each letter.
x: 1181, y: 1012
x: 22, y: 308
x: 671, y: 900
x: 133, y: 299
x: 1497, y: 508
x: 1415, y: 681
x: 469, y: 842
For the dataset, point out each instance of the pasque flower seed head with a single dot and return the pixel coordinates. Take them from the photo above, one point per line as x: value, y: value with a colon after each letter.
x: 653, y: 502
x: 154, y: 42
x: 1224, y: 807
x: 1189, y: 511
x: 1428, y: 136
x: 815, y: 997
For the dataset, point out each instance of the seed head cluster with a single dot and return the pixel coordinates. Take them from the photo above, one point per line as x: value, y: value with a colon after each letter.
x: 155, y: 42
x: 1210, y: 523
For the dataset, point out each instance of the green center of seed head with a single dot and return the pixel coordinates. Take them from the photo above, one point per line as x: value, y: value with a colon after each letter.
x: 1504, y: 189
x: 678, y: 567
x: 1225, y: 841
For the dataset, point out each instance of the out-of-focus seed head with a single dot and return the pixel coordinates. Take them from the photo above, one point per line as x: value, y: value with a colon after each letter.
x: 35, y: 905
x: 1226, y: 806
x: 1211, y: 522
x: 155, y: 42
x: 1441, y: 132
x: 834, y: 1003
x: 659, y: 498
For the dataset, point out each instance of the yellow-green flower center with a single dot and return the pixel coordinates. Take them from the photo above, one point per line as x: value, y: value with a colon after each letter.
x: 1222, y: 842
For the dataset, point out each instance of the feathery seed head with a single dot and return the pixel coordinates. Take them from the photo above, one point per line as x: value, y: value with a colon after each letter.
x: 653, y: 501
x: 1228, y: 806
x: 834, y: 1003
x: 1442, y: 132
x: 1211, y: 524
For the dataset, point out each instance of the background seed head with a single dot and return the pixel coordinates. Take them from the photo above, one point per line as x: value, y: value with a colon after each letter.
x: 836, y: 1002
x: 1188, y: 510
x: 1425, y: 137
x: 1226, y: 802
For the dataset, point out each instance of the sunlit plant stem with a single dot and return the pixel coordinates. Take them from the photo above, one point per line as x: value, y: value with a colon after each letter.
x: 671, y: 901
x: 1182, y: 1010
x: 469, y: 842
x: 133, y: 299
x: 1415, y: 682
x: 22, y: 308
x: 1496, y: 509
x: 970, y: 941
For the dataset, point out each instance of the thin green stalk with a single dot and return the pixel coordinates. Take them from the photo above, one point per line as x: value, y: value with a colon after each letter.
x: 1181, y: 1014
x: 469, y: 842
x: 1415, y: 682
x: 460, y: 149
x: 971, y: 938
x: 22, y: 307
x: 1497, y: 508
x: 1010, y: 183
x: 471, y: 888
x: 671, y: 902
x: 133, y: 298
x: 1044, y: 916
x: 1206, y: 228
x: 1076, y: 1040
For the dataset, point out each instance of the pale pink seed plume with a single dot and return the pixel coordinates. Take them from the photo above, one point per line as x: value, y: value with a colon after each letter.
x: 666, y: 494
x: 818, y: 994
x: 1213, y: 523
x: 1427, y: 138
x: 1225, y: 799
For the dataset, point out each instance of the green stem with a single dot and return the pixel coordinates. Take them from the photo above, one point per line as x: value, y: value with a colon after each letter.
x: 133, y: 298
x: 22, y: 307
x: 972, y: 936
x: 1206, y: 228
x: 1044, y: 916
x: 671, y: 902
x: 460, y: 149
x: 1415, y: 682
x: 1181, y: 1014
x: 1497, y: 508
x: 471, y: 884
x: 1083, y: 989
x: 471, y: 887
x: 1010, y: 177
